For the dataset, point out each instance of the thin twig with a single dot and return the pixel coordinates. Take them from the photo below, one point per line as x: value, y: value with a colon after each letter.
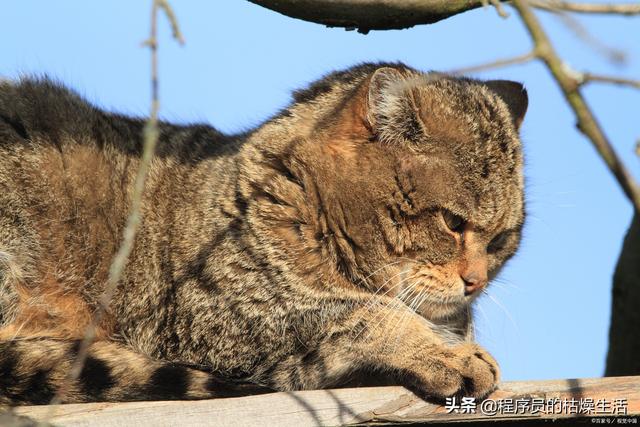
x: 576, y: 27
x: 591, y: 77
x: 173, y: 21
x: 150, y: 135
x: 520, y: 59
x: 497, y: 5
x: 570, y: 86
x: 581, y: 77
x: 601, y: 8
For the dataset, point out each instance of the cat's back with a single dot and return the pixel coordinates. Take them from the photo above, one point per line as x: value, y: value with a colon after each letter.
x: 67, y: 172
x: 53, y: 141
x: 39, y: 113
x: 48, y: 132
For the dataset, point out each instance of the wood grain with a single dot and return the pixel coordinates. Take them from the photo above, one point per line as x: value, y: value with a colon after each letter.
x: 384, y: 405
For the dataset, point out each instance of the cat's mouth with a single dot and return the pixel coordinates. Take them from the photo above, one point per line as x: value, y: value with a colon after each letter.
x: 436, y: 292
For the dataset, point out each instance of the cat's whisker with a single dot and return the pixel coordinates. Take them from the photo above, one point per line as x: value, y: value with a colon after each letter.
x: 415, y: 303
x: 364, y: 280
x: 417, y: 299
x: 397, y: 302
x: 406, y: 313
x: 504, y: 287
x: 484, y: 315
x: 407, y: 295
x: 379, y: 317
x: 426, y: 287
x: 505, y: 283
x: 505, y: 290
x: 400, y: 282
x: 506, y: 312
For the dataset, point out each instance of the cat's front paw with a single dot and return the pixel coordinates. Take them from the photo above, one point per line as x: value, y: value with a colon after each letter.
x: 479, y: 370
x: 464, y: 370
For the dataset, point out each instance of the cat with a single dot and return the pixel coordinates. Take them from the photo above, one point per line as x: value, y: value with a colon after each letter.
x: 345, y: 238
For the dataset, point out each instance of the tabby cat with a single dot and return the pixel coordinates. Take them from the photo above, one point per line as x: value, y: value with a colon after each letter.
x: 341, y: 242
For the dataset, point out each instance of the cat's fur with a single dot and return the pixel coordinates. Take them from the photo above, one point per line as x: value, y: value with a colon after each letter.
x: 324, y: 245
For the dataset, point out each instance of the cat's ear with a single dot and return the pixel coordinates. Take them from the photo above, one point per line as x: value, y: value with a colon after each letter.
x: 378, y: 94
x: 514, y: 95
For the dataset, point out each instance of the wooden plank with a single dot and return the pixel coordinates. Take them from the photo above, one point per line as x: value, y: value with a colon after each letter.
x: 383, y: 405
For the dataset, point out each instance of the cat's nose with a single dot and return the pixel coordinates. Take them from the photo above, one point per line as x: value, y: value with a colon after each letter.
x: 474, y: 281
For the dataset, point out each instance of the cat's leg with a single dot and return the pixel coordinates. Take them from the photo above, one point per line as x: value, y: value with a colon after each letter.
x: 33, y: 369
x: 397, y: 344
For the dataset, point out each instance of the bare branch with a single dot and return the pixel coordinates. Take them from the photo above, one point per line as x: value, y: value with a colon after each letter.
x: 612, y: 54
x: 367, y: 15
x: 150, y: 135
x: 570, y: 87
x: 597, y: 8
x: 497, y: 5
x: 168, y: 11
x: 520, y: 59
x: 503, y: 13
x: 591, y: 77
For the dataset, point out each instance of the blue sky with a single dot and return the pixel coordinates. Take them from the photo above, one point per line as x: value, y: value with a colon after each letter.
x: 549, y: 312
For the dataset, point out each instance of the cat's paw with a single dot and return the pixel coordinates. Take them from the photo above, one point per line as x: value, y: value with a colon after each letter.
x: 464, y: 370
x: 479, y: 370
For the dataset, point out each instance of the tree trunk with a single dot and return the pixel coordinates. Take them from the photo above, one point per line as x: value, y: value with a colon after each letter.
x: 624, y: 333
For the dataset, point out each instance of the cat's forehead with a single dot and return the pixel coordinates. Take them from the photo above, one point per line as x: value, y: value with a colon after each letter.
x: 468, y: 124
x: 459, y: 110
x: 442, y: 180
x: 470, y: 131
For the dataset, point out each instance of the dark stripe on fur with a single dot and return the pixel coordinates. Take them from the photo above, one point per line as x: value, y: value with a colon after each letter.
x: 95, y: 378
x: 8, y: 362
x: 39, y: 387
x: 169, y: 382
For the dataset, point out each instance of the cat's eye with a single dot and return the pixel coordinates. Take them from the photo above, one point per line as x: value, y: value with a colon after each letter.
x: 497, y: 243
x: 454, y: 222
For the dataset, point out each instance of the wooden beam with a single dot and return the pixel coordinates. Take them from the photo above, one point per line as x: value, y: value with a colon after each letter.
x: 383, y: 405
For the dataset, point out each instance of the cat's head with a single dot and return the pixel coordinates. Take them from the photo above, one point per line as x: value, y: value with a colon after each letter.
x: 421, y: 179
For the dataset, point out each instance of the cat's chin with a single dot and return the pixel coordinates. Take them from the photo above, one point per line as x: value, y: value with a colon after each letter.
x: 435, y: 309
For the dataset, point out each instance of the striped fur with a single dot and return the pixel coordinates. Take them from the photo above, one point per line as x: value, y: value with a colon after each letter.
x: 307, y: 253
x: 110, y: 373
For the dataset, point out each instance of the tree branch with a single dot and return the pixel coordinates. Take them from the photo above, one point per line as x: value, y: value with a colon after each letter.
x: 598, y: 8
x: 591, y: 77
x: 505, y: 62
x: 570, y: 86
x: 366, y: 15
x: 497, y: 5
x: 612, y: 54
x: 150, y: 138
